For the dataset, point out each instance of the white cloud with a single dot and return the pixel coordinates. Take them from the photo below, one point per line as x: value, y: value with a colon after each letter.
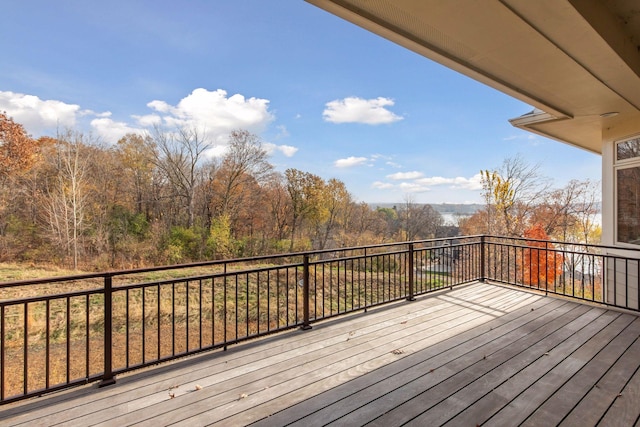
x: 93, y: 113
x: 412, y: 187
x: 435, y: 180
x: 217, y: 151
x: 350, y: 161
x: 405, y: 175
x: 531, y: 138
x: 160, y: 106
x: 415, y: 182
x: 382, y: 185
x: 212, y: 112
x: 111, y: 130
x: 473, y: 183
x: 36, y: 115
x: 286, y: 150
x: 358, y: 110
x: 216, y: 113
x: 148, y: 120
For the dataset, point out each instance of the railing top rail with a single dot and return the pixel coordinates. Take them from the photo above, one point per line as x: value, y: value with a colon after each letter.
x: 560, y: 242
x: 116, y: 273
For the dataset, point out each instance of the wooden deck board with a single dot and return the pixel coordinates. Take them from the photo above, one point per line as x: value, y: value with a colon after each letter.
x: 562, y: 399
x: 246, y: 356
x: 530, y: 387
x: 508, y: 354
x: 433, y: 363
x: 328, y: 406
x: 220, y: 383
x: 610, y: 387
x: 625, y: 410
x: 475, y: 354
x: 385, y: 358
x: 354, y: 349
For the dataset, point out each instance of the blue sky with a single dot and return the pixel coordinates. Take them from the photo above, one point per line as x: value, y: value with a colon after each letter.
x: 325, y: 96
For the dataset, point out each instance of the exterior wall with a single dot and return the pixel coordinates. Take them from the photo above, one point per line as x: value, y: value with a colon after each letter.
x: 608, y: 191
x: 621, y: 275
x: 622, y: 281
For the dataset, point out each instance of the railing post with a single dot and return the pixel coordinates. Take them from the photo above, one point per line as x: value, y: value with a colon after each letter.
x: 546, y: 269
x: 107, y: 376
x: 483, y: 274
x: 410, y: 297
x: 305, y: 293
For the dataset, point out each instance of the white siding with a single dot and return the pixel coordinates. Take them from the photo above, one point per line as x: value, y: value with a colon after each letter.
x: 622, y: 282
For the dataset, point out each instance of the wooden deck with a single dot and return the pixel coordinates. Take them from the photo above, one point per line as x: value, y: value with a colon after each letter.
x: 480, y: 354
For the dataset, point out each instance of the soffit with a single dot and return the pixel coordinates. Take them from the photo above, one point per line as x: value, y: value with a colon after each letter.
x: 574, y: 59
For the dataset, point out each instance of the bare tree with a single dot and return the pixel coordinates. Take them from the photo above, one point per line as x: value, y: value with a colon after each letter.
x: 67, y: 192
x: 418, y: 221
x: 589, y: 208
x: 528, y: 187
x: 337, y: 205
x: 178, y: 156
x: 305, y: 191
x: 279, y: 207
x: 245, y: 163
x: 511, y: 192
x: 137, y: 154
x: 568, y: 214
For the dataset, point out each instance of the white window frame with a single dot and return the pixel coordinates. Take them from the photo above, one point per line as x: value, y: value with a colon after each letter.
x: 621, y: 165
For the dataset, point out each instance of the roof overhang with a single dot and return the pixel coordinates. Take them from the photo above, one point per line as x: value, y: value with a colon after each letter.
x: 576, y: 61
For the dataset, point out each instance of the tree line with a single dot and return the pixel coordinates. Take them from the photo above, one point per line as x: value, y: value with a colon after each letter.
x: 161, y: 198
x: 520, y: 202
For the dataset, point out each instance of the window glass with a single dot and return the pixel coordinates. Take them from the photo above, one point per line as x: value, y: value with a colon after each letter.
x: 628, y: 149
x: 628, y: 212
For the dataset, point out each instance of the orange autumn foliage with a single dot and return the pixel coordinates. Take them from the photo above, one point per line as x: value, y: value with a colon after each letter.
x: 542, y: 264
x: 17, y: 149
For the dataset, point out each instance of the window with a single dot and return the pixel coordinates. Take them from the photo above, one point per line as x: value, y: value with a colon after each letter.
x: 628, y: 191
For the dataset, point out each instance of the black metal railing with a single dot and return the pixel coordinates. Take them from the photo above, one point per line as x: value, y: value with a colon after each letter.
x: 601, y: 274
x: 58, y: 332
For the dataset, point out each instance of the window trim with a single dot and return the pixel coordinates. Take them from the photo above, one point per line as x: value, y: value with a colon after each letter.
x: 621, y: 165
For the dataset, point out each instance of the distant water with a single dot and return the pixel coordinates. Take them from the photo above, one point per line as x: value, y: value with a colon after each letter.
x: 454, y: 218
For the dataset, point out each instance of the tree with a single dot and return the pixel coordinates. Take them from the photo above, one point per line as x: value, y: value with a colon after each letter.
x: 542, y: 265
x: 137, y: 154
x: 588, y: 201
x: 528, y: 186
x: 207, y: 191
x: 18, y: 151
x: 66, y: 199
x: 304, y: 190
x: 368, y: 226
x: 279, y: 207
x: 499, y: 196
x: 511, y: 193
x: 244, y: 164
x: 418, y: 221
x: 335, y: 208
x: 178, y: 156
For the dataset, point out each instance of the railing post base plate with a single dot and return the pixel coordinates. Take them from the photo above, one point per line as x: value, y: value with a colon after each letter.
x: 105, y: 383
x: 306, y: 327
